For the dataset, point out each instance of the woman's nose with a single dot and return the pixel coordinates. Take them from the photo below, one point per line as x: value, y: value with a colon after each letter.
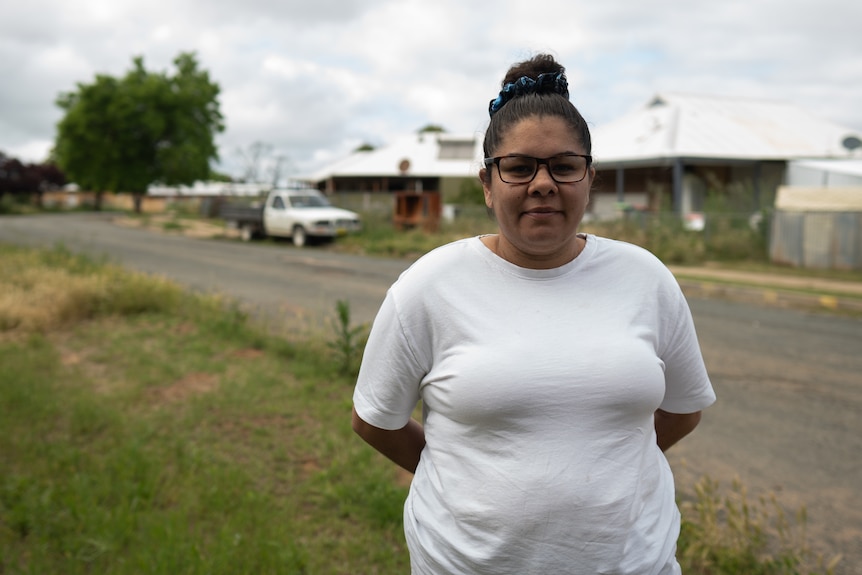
x: 542, y: 182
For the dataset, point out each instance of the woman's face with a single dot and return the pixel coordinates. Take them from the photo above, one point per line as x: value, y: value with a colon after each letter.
x: 539, y: 220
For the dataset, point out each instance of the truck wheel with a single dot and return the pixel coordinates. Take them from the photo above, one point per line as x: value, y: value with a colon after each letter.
x: 246, y: 233
x: 298, y: 236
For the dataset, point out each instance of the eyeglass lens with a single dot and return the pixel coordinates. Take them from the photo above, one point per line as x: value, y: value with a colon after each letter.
x: 522, y: 169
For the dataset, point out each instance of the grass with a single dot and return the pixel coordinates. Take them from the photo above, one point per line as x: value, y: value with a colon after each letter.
x: 144, y: 429
x: 725, y: 532
x: 379, y: 237
x: 175, y: 437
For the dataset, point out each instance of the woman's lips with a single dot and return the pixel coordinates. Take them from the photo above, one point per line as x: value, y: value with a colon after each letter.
x: 541, y: 212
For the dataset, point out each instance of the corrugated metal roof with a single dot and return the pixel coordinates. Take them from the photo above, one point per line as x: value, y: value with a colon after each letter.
x: 676, y: 125
x: 671, y: 125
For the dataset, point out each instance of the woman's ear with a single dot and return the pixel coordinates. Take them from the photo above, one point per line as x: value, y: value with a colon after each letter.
x: 483, y: 174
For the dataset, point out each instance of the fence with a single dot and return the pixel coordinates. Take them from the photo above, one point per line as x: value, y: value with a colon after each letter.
x: 825, y: 240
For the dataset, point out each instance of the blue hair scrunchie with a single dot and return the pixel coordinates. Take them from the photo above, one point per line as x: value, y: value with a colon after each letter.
x: 553, y: 83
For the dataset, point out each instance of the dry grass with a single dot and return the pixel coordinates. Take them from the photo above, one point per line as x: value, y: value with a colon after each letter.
x: 38, y: 296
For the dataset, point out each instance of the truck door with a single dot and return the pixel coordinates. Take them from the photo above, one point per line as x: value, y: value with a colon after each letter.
x: 275, y: 215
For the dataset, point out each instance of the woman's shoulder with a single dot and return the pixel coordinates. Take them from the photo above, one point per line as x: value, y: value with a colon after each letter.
x: 629, y: 258
x: 441, y: 262
x: 609, y: 247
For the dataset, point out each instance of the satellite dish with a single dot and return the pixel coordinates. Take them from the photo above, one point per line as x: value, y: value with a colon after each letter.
x: 851, y: 143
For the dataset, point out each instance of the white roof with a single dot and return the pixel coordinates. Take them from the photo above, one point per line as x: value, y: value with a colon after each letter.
x: 676, y: 125
x: 421, y: 152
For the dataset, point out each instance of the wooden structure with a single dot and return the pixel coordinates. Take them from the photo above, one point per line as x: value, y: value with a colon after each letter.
x: 413, y: 210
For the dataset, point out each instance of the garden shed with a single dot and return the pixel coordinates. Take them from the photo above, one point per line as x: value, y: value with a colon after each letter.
x: 816, y: 227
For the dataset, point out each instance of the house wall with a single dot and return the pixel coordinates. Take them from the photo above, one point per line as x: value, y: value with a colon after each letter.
x: 808, y: 176
x: 607, y: 207
x: 451, y: 187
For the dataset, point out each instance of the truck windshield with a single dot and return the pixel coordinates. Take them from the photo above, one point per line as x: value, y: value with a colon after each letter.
x: 308, y: 202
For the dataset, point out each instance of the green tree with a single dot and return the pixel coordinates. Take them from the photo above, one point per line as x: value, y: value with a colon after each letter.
x: 121, y: 135
x: 432, y: 128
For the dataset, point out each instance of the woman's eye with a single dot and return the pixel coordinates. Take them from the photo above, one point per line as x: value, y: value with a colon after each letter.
x: 564, y: 168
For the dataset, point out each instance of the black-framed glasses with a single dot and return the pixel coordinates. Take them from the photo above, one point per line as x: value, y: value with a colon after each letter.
x: 564, y: 168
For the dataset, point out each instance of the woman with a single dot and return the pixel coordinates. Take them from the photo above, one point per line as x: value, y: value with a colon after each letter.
x: 554, y: 368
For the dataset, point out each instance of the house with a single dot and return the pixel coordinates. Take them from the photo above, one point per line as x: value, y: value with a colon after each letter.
x: 421, y: 162
x: 669, y: 154
x: 679, y: 147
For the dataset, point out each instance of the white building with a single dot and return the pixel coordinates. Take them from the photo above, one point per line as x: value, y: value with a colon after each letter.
x: 677, y: 148
x: 670, y: 153
x: 419, y: 162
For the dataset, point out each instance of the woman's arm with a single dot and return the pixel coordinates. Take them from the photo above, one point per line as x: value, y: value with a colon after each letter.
x: 403, y: 446
x: 671, y: 427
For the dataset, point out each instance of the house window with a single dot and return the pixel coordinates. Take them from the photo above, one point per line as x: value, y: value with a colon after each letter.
x: 457, y: 149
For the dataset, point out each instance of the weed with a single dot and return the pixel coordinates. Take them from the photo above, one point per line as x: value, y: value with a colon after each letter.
x: 728, y: 535
x: 173, y: 225
x: 349, y: 340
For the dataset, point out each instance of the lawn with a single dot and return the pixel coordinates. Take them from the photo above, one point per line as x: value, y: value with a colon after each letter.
x: 144, y: 429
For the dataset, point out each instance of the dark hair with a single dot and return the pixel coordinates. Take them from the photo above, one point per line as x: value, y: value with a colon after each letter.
x: 528, y: 105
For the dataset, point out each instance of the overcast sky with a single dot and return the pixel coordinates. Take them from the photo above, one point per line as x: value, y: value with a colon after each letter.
x: 315, y: 79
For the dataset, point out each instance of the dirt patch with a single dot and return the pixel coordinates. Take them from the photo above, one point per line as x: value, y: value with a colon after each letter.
x: 247, y: 353
x: 191, y: 385
x: 187, y: 227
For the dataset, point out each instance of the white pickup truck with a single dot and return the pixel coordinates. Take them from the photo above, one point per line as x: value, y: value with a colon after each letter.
x: 303, y: 215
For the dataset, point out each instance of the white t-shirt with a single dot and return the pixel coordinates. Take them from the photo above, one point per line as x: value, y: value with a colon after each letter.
x: 538, y: 390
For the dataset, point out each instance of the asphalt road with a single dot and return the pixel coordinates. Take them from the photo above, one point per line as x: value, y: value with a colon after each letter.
x: 301, y: 285
x: 789, y: 386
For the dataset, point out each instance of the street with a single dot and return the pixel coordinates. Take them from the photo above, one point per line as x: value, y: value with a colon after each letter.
x: 787, y: 420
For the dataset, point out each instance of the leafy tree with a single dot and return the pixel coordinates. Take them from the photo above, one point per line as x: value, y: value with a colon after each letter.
x: 469, y: 193
x: 220, y: 177
x: 121, y: 135
x: 432, y: 128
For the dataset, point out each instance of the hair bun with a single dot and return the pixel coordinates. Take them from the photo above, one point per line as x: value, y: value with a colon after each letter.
x: 548, y: 83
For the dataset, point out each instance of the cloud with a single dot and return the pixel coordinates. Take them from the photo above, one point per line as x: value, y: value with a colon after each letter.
x: 316, y: 79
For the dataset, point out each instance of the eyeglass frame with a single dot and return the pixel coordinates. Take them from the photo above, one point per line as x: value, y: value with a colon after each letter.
x: 539, y: 162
